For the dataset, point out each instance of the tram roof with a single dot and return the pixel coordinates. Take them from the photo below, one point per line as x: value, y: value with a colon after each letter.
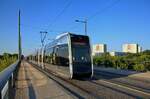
x: 64, y: 34
x: 58, y: 37
x: 61, y: 35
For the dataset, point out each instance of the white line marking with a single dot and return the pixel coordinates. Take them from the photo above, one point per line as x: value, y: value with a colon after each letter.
x: 126, y: 87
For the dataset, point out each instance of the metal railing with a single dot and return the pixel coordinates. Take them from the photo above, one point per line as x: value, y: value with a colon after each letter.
x: 7, y: 80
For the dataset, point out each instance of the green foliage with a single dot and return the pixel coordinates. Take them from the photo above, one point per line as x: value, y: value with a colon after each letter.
x: 137, y: 62
x: 139, y: 67
x: 6, y: 59
x: 147, y: 52
x: 98, y: 60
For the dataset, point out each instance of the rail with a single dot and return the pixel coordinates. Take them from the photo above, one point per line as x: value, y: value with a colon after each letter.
x: 7, y: 80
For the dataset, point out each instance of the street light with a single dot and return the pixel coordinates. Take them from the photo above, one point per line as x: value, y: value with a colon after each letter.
x: 85, y: 24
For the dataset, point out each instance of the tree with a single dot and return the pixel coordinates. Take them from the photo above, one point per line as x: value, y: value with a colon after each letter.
x: 6, y: 60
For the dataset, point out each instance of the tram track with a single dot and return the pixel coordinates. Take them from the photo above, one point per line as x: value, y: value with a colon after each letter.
x: 95, y: 88
x: 60, y: 81
x: 122, y: 75
x: 124, y: 82
x: 140, y: 85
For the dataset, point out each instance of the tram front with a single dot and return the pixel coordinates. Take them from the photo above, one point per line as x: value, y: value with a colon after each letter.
x: 81, y: 56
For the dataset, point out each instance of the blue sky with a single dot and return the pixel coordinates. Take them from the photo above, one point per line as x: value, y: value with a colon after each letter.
x: 125, y: 21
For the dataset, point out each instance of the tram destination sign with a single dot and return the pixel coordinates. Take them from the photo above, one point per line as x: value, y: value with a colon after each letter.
x: 79, y: 40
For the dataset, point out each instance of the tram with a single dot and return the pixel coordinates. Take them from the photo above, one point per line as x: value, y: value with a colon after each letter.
x: 69, y: 55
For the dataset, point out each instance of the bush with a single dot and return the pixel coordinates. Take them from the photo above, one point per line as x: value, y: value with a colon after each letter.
x: 6, y: 60
x: 147, y: 65
x: 97, y: 61
x: 108, y: 63
x: 139, y: 67
x: 138, y: 62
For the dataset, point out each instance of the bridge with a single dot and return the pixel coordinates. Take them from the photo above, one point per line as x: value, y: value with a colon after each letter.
x: 26, y: 80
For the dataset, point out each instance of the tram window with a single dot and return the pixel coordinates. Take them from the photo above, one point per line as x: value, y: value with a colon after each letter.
x: 62, y: 55
x: 81, y: 54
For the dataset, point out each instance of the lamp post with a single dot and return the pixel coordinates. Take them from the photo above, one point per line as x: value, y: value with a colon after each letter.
x: 19, y: 39
x: 85, y: 24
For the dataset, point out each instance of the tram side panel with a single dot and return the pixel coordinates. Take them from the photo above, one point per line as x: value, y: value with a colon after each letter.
x: 57, y: 58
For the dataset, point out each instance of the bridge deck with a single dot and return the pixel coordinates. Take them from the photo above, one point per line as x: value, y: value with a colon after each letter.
x: 32, y: 84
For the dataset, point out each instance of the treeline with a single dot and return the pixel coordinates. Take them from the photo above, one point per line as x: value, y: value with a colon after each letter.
x: 137, y: 62
x: 7, y: 59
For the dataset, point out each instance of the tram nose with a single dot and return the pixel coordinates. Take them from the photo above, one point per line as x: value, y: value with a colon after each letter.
x: 82, y: 68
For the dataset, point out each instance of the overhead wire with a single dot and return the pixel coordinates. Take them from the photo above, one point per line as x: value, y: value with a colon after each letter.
x: 61, y: 12
x: 99, y: 12
x: 37, y: 28
x: 104, y: 9
x: 72, y: 27
x: 29, y: 26
x: 54, y: 21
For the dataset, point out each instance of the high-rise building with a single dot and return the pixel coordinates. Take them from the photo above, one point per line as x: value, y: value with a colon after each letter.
x: 99, y: 49
x: 131, y: 48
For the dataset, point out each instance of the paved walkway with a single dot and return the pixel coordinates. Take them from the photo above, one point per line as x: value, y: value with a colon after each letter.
x: 32, y: 84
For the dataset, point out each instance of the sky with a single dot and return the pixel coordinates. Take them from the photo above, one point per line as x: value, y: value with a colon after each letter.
x: 113, y: 22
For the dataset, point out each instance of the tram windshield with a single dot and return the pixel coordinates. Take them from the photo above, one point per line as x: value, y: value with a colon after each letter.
x: 80, y: 49
x: 81, y: 54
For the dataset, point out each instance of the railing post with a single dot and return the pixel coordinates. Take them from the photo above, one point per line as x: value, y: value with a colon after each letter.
x: 4, y: 91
